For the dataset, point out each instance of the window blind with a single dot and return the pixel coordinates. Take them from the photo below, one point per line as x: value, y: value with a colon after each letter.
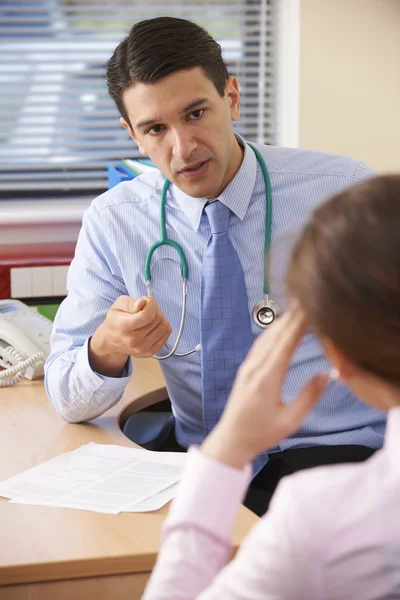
x: 59, y: 127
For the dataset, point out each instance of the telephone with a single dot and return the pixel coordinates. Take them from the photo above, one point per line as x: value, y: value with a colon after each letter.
x: 24, y: 342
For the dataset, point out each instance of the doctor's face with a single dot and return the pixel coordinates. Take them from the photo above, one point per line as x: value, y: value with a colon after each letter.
x: 185, y: 127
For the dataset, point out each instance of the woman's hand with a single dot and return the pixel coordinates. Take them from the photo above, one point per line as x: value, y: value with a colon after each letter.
x: 255, y: 417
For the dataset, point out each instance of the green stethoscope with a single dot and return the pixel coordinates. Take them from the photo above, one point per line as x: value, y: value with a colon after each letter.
x: 264, y: 313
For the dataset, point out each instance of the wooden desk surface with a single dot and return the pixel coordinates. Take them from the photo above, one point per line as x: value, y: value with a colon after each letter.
x: 42, y: 544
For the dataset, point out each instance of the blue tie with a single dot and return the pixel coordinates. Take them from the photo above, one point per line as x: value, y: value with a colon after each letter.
x: 225, y: 321
x: 226, y: 334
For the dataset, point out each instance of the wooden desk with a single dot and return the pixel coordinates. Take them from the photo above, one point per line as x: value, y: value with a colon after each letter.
x: 48, y: 552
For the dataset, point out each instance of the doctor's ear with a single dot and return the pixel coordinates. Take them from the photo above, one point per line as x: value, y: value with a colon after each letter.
x: 126, y: 126
x: 129, y: 129
x: 232, y: 95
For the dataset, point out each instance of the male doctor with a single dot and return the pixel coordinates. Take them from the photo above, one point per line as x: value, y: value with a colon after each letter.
x: 177, y: 101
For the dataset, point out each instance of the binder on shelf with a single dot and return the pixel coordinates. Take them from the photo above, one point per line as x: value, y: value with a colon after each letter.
x: 139, y: 166
x: 127, y: 169
x: 116, y: 175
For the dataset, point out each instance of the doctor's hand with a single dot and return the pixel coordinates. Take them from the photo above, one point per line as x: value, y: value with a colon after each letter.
x: 133, y: 327
x: 255, y: 418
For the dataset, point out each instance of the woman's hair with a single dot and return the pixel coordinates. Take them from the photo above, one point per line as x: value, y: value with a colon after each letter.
x: 345, y: 272
x: 158, y: 47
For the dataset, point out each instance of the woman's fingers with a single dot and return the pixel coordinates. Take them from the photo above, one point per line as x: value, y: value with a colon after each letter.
x: 274, y: 348
x: 290, y: 336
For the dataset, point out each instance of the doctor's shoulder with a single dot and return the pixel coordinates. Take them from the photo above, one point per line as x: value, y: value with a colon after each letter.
x: 139, y: 191
x: 346, y: 170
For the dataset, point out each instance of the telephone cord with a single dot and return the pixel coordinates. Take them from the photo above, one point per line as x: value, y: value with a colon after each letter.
x: 14, y: 374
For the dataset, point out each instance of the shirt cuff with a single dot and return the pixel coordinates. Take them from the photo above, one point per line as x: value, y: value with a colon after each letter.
x: 209, y: 495
x: 94, y: 381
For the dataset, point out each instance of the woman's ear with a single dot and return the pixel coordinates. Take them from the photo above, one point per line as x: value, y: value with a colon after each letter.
x: 344, y: 366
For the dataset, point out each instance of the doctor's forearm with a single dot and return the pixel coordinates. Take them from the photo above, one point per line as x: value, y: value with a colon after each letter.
x: 77, y: 393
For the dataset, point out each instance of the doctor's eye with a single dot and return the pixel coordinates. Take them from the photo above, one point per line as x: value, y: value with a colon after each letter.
x: 197, y: 114
x: 155, y: 130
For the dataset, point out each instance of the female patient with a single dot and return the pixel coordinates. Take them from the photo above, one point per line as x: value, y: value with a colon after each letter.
x: 331, y: 532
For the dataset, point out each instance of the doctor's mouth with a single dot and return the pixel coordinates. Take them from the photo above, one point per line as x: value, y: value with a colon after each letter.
x: 195, y: 170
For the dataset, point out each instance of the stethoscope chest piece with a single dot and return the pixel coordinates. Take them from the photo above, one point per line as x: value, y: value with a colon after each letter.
x: 265, y: 313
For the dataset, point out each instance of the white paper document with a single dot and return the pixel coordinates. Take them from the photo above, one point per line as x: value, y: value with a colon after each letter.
x: 101, y: 478
x: 155, y: 502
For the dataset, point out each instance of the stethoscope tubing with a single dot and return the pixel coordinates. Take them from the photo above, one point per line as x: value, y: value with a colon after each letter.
x: 266, y: 304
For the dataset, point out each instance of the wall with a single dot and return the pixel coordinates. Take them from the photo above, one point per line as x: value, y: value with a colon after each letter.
x: 349, y: 80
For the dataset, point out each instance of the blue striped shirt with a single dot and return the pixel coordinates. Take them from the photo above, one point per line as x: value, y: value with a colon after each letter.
x: 117, y: 231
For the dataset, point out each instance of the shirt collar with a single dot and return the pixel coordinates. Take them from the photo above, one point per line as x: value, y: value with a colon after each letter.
x: 236, y: 195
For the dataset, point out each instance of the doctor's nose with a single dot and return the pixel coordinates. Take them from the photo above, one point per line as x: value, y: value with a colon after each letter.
x: 183, y: 144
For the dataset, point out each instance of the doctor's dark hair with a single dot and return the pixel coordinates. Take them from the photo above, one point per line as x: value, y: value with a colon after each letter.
x: 345, y: 272
x: 158, y: 47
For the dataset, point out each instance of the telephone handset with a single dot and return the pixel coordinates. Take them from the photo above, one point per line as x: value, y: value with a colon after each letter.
x: 24, y: 342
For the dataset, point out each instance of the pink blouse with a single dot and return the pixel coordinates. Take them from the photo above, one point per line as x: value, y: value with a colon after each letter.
x: 330, y: 533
